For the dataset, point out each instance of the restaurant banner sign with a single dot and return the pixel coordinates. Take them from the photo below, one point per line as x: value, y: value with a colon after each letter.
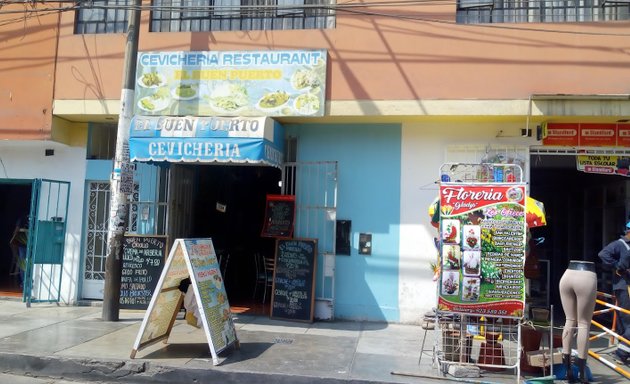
x: 586, y: 135
x: 603, y: 165
x: 231, y: 83
x: 482, y: 240
x: 254, y: 140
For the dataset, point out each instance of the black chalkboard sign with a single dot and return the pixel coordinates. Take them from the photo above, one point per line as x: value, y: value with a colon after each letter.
x: 293, y: 292
x: 143, y: 258
x: 279, y: 216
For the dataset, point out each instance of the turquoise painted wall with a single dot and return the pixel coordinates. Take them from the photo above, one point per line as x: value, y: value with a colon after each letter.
x: 369, y: 160
x: 147, y: 178
x: 98, y: 169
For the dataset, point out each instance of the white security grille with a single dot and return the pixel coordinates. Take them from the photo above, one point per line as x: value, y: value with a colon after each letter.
x: 96, y: 236
x: 315, y: 188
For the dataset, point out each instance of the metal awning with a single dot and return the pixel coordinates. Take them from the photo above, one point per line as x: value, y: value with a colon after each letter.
x: 574, y: 151
x: 191, y: 139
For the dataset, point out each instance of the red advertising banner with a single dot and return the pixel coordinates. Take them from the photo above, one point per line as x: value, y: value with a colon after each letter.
x: 562, y: 134
x: 623, y: 135
x: 598, y: 135
x: 482, y: 249
x: 587, y: 135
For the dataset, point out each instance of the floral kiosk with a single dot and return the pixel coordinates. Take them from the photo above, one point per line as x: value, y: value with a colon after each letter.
x: 481, y: 283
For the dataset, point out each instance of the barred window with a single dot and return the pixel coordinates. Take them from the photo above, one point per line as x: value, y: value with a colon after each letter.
x: 101, y: 143
x: 102, y: 16
x: 541, y: 11
x: 240, y: 15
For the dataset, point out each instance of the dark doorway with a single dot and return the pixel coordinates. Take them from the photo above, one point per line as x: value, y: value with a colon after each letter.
x: 15, y: 199
x: 584, y: 212
x: 229, y: 206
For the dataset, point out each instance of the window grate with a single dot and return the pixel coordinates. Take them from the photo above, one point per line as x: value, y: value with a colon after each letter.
x: 541, y: 11
x: 240, y: 15
x: 102, y: 16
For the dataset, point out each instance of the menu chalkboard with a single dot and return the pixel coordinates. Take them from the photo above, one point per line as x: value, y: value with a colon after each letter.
x: 294, y: 279
x: 279, y: 216
x: 142, y: 263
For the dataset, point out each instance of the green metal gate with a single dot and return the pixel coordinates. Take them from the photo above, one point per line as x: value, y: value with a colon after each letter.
x: 46, y: 240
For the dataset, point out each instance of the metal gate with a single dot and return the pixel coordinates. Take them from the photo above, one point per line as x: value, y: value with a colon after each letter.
x: 147, y: 215
x: 314, y: 185
x: 46, y: 241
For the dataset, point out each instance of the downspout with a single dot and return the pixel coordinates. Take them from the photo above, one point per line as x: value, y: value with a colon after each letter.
x: 529, y: 114
x: 54, y: 81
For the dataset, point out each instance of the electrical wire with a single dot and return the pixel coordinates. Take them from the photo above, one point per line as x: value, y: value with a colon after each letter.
x: 346, y: 7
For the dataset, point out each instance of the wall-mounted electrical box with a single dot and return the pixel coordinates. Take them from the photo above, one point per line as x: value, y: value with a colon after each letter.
x: 342, y: 240
x: 365, y: 244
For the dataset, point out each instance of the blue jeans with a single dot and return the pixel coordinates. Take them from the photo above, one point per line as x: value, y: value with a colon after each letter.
x: 623, y: 322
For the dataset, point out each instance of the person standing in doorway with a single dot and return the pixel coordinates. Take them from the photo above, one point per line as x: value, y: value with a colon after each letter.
x: 18, y: 244
x: 616, y: 255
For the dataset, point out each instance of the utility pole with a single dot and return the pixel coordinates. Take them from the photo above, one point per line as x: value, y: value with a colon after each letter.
x: 122, y: 176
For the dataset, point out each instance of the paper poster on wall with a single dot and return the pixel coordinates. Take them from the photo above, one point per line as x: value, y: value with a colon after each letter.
x: 603, y: 164
x: 482, y: 240
x: 195, y: 259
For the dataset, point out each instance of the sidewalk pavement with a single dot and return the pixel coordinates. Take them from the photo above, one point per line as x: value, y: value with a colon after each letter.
x: 72, y: 342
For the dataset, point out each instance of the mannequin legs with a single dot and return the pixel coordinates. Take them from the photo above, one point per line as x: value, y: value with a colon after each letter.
x: 578, y: 290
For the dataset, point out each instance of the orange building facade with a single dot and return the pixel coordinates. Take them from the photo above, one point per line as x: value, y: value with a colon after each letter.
x: 432, y: 89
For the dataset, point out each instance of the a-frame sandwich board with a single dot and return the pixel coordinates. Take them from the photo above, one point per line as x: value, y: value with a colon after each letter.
x: 194, y: 258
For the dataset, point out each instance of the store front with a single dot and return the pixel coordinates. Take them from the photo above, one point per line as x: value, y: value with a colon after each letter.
x: 16, y: 199
x: 221, y: 170
x: 206, y: 118
x: 585, y: 211
x: 40, y: 190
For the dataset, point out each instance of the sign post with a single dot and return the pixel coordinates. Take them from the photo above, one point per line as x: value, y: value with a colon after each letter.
x: 121, y: 178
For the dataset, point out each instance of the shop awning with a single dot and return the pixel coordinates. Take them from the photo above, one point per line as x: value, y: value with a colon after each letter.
x: 239, y: 140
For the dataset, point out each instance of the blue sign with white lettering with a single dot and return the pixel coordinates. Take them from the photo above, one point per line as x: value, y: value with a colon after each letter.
x: 206, y: 139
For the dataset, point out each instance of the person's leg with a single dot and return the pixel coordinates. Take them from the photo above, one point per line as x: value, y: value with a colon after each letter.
x: 623, y: 324
x: 15, y: 269
x: 569, y: 305
x: 22, y: 263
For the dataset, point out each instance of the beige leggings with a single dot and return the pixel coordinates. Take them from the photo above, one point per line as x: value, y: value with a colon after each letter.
x: 578, y: 290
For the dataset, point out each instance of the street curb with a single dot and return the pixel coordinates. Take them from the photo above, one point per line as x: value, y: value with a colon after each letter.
x: 136, y: 372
